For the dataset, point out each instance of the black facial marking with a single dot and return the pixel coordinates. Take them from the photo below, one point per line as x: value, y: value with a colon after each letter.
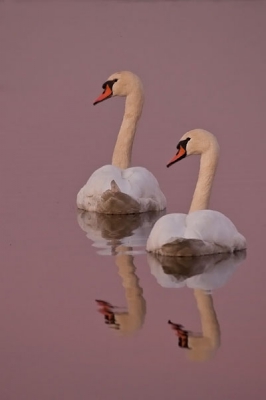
x: 109, y: 83
x: 183, y: 340
x: 182, y: 334
x: 183, y: 143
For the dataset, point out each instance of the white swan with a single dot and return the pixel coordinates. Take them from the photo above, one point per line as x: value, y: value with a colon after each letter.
x: 201, y: 231
x: 117, y: 188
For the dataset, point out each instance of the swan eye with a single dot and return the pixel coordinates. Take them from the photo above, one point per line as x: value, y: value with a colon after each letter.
x: 115, y: 80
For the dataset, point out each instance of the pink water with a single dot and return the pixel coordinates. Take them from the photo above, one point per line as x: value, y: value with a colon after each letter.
x: 202, y: 65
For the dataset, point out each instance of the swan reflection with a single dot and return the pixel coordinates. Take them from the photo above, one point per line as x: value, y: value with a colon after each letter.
x: 202, y: 274
x: 132, y: 318
x: 107, y: 232
x: 122, y: 237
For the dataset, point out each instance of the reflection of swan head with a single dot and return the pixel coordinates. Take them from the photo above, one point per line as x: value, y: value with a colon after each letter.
x: 204, y: 272
x: 110, y: 231
x: 201, y: 346
x: 126, y: 322
x: 120, y: 84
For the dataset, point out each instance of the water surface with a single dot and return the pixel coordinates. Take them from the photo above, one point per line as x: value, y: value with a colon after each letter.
x: 203, y: 65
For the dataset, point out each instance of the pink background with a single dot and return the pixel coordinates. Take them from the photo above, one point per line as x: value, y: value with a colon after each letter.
x: 202, y: 65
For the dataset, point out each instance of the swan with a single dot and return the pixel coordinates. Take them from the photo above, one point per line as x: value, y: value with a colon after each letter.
x: 201, y: 231
x: 119, y: 188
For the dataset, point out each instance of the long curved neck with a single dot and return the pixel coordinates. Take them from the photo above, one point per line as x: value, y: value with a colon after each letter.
x: 208, y: 165
x: 209, y: 322
x: 203, y: 347
x: 124, y: 143
x: 133, y: 319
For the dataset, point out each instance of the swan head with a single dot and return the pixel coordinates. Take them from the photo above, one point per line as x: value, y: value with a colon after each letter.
x: 197, y: 141
x: 119, y: 84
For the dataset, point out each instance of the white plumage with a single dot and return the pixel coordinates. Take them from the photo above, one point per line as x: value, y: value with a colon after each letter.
x: 120, y: 188
x: 201, y: 231
x: 136, y: 182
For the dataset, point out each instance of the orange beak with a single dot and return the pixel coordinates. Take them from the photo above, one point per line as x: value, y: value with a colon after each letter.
x: 105, y: 95
x: 179, y: 155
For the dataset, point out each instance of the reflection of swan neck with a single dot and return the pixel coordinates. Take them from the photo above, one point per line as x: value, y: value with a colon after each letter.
x: 203, y: 347
x: 126, y: 270
x: 208, y: 165
x: 132, y: 319
x: 209, y: 322
x: 124, y: 143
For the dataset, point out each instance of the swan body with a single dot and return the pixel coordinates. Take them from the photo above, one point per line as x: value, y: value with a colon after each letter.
x: 198, y: 233
x: 119, y: 188
x: 201, y: 231
x: 112, y: 190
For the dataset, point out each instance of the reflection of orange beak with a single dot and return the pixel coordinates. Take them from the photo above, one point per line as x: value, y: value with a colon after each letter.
x: 181, y: 333
x: 105, y: 311
x: 180, y: 154
x: 104, y: 303
x: 105, y: 95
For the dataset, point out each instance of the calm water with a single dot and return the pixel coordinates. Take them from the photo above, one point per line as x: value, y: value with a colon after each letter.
x: 203, y: 65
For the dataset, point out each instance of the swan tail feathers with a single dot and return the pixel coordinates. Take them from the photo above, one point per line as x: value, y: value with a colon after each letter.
x: 182, y: 247
x: 114, y: 187
x: 113, y: 201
